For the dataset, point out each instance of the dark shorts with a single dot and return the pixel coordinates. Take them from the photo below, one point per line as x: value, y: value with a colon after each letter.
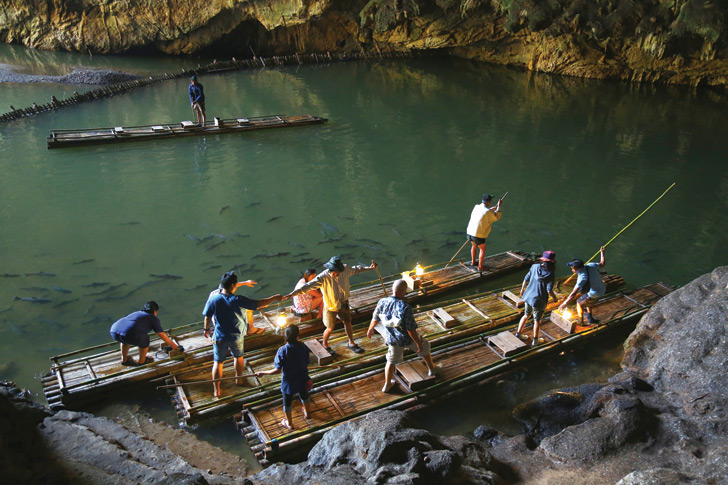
x: 586, y: 300
x: 288, y: 399
x: 140, y: 340
x: 201, y: 104
x: 477, y: 240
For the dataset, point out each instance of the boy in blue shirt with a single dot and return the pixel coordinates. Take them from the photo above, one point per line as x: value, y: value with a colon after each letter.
x: 589, y: 285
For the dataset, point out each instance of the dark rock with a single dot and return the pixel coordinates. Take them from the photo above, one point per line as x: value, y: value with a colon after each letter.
x: 655, y: 476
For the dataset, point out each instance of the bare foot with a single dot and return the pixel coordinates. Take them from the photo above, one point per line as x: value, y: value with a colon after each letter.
x: 305, y: 412
x: 286, y: 424
x: 255, y: 330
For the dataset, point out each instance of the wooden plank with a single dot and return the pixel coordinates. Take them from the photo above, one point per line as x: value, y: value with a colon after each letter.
x: 443, y: 318
x: 509, y: 295
x: 508, y: 343
x: 476, y: 309
x: 565, y: 324
x: 415, y: 374
x: 515, y: 255
x: 322, y: 355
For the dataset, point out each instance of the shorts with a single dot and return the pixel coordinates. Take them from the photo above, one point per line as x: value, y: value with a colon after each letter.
x: 395, y: 353
x: 537, y: 312
x: 140, y: 340
x: 201, y: 104
x: 587, y: 301
x: 222, y: 347
x: 343, y: 313
x: 288, y: 399
x: 477, y: 240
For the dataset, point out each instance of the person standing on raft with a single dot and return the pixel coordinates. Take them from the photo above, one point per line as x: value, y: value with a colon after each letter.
x: 540, y: 280
x: 292, y: 359
x: 589, y: 285
x: 133, y: 330
x: 227, y: 312
x: 334, y: 284
x: 197, y: 100
x: 481, y: 219
x: 400, y: 332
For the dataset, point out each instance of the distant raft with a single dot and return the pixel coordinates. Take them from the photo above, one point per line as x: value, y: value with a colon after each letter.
x: 97, y: 136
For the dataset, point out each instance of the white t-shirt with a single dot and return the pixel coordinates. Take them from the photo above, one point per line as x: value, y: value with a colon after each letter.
x: 481, y: 219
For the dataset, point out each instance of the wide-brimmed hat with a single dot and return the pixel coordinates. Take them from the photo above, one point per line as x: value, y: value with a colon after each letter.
x: 577, y: 263
x: 548, y: 256
x: 334, y: 264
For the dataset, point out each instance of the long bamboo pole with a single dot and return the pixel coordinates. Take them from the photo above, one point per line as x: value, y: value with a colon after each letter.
x: 626, y: 227
x: 380, y: 280
x: 458, y: 252
x: 206, y: 381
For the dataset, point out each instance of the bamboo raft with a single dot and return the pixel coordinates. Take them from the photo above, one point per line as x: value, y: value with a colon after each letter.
x: 192, y: 393
x: 461, y: 364
x: 97, y: 136
x: 87, y: 374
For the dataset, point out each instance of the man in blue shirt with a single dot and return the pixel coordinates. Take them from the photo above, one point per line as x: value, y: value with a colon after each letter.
x: 589, y: 285
x: 540, y: 280
x: 227, y: 312
x: 394, y: 319
x: 133, y: 330
x: 197, y: 100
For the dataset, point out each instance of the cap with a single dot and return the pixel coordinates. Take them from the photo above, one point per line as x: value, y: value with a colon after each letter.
x: 486, y: 198
x: 548, y: 256
x: 577, y: 264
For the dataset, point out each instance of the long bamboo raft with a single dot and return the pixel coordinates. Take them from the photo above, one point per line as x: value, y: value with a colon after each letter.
x: 193, y: 399
x: 85, y: 375
x: 97, y: 136
x: 461, y: 364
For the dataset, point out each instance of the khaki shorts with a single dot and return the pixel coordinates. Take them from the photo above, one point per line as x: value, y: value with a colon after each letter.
x: 343, y: 314
x: 395, y: 354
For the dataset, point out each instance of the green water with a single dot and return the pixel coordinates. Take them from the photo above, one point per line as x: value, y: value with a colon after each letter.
x: 409, y: 148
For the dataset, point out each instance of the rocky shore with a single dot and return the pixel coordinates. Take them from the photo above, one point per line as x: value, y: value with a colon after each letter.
x: 661, y: 420
x: 656, y: 41
x: 78, y: 76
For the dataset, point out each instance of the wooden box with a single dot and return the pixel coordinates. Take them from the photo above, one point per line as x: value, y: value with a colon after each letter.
x: 564, y: 323
x: 508, y: 343
x: 509, y: 295
x: 415, y: 374
x: 322, y: 355
x: 443, y: 318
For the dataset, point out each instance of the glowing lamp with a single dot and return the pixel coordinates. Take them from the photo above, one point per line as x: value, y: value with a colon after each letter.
x: 282, y: 320
x: 405, y: 274
x: 566, y: 314
x: 419, y: 270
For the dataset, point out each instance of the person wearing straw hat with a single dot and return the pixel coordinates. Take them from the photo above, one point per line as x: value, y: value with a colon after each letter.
x: 133, y: 330
x: 334, y: 284
x: 589, y: 285
x: 226, y: 320
x: 481, y: 219
x: 393, y: 318
x: 540, y: 280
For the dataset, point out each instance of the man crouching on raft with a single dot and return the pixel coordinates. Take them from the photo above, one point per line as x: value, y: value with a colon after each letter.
x: 589, y: 284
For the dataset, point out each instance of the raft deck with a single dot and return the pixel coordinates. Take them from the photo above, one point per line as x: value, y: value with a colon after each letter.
x: 84, y: 375
x: 461, y: 365
x: 119, y: 134
x: 193, y: 399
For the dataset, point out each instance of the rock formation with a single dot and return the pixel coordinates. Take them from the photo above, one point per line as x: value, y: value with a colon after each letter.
x: 660, y: 41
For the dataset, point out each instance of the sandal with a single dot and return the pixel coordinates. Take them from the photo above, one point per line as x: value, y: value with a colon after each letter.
x: 147, y: 360
x: 130, y: 363
x: 356, y: 349
x: 331, y: 351
x: 255, y: 331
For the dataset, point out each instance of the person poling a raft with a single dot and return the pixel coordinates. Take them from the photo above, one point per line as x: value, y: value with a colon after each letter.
x: 589, y: 286
x: 481, y: 219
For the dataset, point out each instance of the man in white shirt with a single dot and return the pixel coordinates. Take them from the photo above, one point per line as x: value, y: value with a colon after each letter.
x: 481, y: 219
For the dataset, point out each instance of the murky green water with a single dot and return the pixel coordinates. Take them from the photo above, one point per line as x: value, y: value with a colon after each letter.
x: 408, y: 150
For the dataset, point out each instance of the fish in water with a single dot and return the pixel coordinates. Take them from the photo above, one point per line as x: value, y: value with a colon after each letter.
x: 89, y: 309
x: 10, y: 275
x: 325, y: 241
x: 40, y: 273
x: 60, y: 290
x: 191, y: 237
x: 252, y: 204
x: 111, y: 298
x: 196, y: 287
x: 346, y: 246
x: 296, y: 245
x: 205, y: 239
x: 214, y: 266
x: 166, y: 276
x: 304, y: 260
x: 414, y: 241
x: 66, y: 302
x: 328, y: 227
x: 364, y: 239
x: 34, y: 288
x: 223, y: 209
x: 237, y: 234
x: 96, y: 284
x: 300, y: 254
x: 32, y: 299
x: 130, y: 223
x: 98, y: 319
x: 447, y: 244
x: 346, y: 218
x: 273, y: 218
x: 213, y: 246
x: 84, y: 261
x: 225, y: 256
x: 107, y: 290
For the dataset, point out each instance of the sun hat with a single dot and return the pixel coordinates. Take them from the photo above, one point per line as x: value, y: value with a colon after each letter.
x: 334, y: 264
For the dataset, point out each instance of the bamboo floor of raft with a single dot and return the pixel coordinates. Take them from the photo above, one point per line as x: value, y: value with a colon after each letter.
x: 98, y: 136
x: 460, y: 366
x: 86, y: 375
x: 474, y: 315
